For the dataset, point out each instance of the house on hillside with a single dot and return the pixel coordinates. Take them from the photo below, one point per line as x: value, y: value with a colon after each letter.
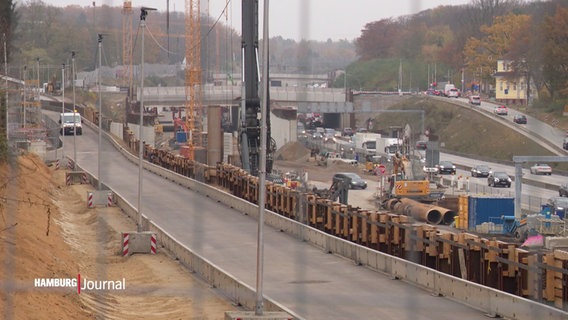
x: 511, y: 84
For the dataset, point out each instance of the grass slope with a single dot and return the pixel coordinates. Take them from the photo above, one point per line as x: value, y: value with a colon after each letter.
x: 461, y: 130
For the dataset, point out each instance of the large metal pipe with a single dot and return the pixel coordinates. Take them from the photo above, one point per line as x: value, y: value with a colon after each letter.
x: 420, y: 211
x: 448, y: 216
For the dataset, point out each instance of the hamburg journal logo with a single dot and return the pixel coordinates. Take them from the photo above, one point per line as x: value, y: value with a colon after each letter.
x: 81, y: 284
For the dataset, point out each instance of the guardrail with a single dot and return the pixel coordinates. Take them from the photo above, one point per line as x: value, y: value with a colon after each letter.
x: 488, y: 300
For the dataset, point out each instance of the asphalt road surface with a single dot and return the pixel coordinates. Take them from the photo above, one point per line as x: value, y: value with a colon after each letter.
x: 305, y: 279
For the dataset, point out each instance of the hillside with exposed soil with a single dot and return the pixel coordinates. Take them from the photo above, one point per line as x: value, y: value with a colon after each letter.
x: 47, y: 231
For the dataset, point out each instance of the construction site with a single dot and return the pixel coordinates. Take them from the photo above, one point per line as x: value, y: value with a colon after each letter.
x: 406, y: 213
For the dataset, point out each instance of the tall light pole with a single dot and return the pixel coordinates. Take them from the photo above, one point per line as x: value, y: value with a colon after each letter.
x: 24, y: 96
x: 62, y: 108
x: 100, y: 44
x: 143, y: 14
x: 262, y: 166
x: 6, y: 74
x: 38, y: 95
x: 74, y: 114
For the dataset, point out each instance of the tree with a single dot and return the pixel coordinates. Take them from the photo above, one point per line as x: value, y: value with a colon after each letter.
x: 8, y: 23
x: 376, y: 39
x: 556, y: 53
x: 482, y: 54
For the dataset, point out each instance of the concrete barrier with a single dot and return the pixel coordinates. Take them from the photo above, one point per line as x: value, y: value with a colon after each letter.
x: 237, y: 291
x: 488, y: 300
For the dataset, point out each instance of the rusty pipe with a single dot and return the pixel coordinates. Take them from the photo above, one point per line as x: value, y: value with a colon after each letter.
x: 448, y: 216
x: 420, y: 211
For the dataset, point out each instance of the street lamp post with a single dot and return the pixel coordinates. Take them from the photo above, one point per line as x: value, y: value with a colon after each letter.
x: 24, y: 97
x: 62, y: 108
x: 262, y: 167
x: 143, y: 14
x: 100, y: 43
x: 74, y: 114
x: 6, y: 74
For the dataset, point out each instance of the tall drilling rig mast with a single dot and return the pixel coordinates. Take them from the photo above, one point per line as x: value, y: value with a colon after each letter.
x: 249, y: 135
x: 127, y: 45
x: 193, y: 108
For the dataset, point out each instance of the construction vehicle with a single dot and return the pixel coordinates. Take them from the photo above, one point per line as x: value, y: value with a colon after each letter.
x: 543, y: 223
x: 326, y: 157
x: 408, y: 179
x: 339, y: 189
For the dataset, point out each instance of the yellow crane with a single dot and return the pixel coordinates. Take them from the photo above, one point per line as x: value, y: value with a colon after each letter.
x: 126, y: 75
x: 193, y: 99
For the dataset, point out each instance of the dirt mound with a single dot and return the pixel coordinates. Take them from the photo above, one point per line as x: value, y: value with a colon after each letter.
x: 292, y: 151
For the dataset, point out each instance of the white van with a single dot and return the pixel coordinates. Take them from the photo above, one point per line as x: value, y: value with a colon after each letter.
x: 447, y: 89
x: 70, y: 121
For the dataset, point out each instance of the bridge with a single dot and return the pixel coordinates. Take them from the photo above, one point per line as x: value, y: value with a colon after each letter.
x: 307, y: 99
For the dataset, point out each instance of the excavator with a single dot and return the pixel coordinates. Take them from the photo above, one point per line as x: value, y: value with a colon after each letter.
x: 408, y: 178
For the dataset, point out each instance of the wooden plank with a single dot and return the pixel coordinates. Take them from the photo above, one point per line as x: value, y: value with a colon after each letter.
x: 549, y: 276
x: 463, y: 269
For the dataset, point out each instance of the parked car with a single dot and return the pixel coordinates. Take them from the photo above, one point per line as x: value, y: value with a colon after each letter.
x: 480, y: 170
x: 500, y: 179
x: 356, y: 181
x: 501, y: 111
x: 541, y: 168
x: 421, y: 145
x: 520, y: 119
x: 563, y: 190
x: 475, y: 100
x: 446, y: 167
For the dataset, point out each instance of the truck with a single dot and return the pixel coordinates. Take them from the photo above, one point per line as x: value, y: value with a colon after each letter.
x: 329, y: 157
x: 387, y: 146
x: 365, y: 143
x: 70, y: 122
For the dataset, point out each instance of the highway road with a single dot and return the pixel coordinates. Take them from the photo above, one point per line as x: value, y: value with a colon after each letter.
x: 305, y: 279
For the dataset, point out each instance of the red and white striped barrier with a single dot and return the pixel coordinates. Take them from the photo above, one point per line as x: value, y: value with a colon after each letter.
x: 110, y: 200
x: 153, y: 244
x: 90, y: 200
x: 70, y: 164
x: 68, y: 179
x: 57, y: 164
x: 125, y: 240
x: 85, y: 179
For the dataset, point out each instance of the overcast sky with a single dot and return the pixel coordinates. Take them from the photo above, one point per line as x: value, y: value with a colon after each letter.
x: 296, y: 19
